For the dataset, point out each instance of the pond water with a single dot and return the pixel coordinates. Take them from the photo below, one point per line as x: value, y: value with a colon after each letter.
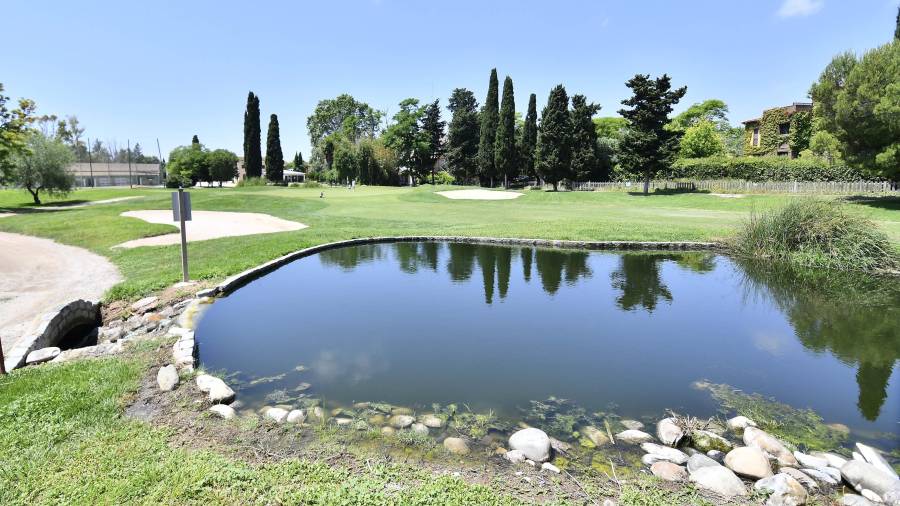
x: 497, y: 328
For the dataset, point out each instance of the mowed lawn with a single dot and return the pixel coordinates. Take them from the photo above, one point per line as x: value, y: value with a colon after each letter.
x: 384, y: 211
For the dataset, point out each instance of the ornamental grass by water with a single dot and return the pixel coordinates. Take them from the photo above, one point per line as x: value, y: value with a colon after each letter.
x: 816, y: 233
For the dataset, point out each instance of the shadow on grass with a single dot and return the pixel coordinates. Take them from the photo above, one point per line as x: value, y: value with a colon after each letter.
x: 665, y: 192
x: 883, y: 202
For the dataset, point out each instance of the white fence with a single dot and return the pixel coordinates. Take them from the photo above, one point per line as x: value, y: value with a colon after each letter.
x: 741, y: 186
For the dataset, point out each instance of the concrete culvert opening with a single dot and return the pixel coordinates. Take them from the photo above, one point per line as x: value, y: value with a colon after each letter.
x: 79, y: 336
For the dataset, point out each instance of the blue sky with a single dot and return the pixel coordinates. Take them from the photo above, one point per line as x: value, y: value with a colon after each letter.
x: 168, y: 70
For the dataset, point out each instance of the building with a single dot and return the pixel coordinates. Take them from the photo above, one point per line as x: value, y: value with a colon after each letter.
x: 293, y: 176
x: 770, y: 134
x: 116, y: 174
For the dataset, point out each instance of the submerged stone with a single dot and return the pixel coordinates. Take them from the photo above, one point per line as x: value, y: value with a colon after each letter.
x: 595, y: 435
x: 456, y: 445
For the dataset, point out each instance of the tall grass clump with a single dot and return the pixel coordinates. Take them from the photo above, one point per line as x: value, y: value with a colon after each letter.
x: 816, y: 233
x: 250, y: 181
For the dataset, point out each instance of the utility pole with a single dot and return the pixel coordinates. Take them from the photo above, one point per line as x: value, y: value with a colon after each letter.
x: 159, y: 152
x: 90, y: 163
x: 130, y: 179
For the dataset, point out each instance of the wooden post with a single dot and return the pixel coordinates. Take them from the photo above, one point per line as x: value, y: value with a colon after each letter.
x: 2, y: 361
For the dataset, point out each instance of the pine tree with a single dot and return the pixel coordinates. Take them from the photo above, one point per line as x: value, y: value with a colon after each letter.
x: 529, y: 138
x: 462, y: 135
x: 195, y: 141
x: 505, y: 143
x: 433, y: 128
x: 554, y: 151
x: 648, y: 146
x: 252, y: 148
x: 298, y: 161
x: 490, y: 116
x: 585, y: 155
x: 274, y: 157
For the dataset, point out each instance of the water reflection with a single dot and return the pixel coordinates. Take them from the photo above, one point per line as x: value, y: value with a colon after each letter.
x: 639, y: 280
x: 854, y: 317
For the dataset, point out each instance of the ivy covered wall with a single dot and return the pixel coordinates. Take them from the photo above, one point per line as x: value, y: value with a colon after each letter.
x: 770, y: 137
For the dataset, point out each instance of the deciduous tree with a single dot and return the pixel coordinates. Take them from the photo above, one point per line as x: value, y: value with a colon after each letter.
x: 41, y: 167
x: 554, y: 149
x: 14, y: 129
x: 490, y: 117
x: 700, y: 140
x: 405, y: 135
x: 222, y: 165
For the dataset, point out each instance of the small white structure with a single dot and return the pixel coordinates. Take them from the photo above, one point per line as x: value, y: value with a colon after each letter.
x: 293, y: 176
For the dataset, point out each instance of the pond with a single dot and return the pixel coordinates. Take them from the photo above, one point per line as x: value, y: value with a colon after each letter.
x: 502, y: 329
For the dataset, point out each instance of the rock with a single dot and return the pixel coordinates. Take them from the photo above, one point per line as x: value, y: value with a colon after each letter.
x: 810, y: 461
x: 705, y: 441
x: 595, y: 435
x: 399, y: 410
x: 376, y: 419
x: 296, y: 416
x: 857, y: 456
x: 419, y: 428
x: 739, y: 423
x: 388, y: 430
x: 718, y: 479
x: 111, y: 334
x: 401, y: 421
x: 800, y: 476
x: 546, y: 466
x: 223, y: 411
x: 342, y: 421
x: 835, y: 461
x: 855, y: 500
x: 559, y: 446
x: 874, y: 457
x: 532, y: 442
x: 220, y: 393
x: 783, y: 490
x: 871, y: 496
x: 668, y: 471
x: 769, y: 445
x: 514, y: 456
x: 820, y: 476
x: 277, y: 415
x: 456, y: 445
x: 865, y: 476
x: 699, y: 460
x: 42, y: 355
x: 167, y: 378
x: 145, y: 304
x: 531, y: 462
x: 892, y: 496
x: 716, y: 455
x: 632, y: 424
x: 634, y: 436
x: 669, y: 432
x: 835, y: 474
x: 650, y: 459
x: 665, y: 453
x: 610, y: 502
x: 431, y: 421
x: 205, y: 382
x: 317, y: 413
x: 748, y: 461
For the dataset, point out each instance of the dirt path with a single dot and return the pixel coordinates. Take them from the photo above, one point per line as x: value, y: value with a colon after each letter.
x: 209, y: 225
x: 37, y: 275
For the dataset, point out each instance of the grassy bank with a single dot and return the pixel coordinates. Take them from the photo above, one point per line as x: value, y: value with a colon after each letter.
x: 371, y: 211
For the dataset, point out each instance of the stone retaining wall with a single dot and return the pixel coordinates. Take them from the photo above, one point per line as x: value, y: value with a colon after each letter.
x: 234, y: 282
x: 53, y: 327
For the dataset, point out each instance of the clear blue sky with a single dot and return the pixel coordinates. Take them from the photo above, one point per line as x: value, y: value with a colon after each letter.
x: 168, y: 70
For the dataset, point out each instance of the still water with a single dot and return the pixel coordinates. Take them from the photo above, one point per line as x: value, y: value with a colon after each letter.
x: 495, y: 327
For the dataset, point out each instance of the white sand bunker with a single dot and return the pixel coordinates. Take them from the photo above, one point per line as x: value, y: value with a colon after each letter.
x: 728, y: 195
x: 479, y: 195
x: 209, y: 225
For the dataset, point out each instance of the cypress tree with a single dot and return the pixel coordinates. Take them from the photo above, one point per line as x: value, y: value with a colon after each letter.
x: 274, y: 156
x: 462, y: 135
x: 298, y: 161
x: 252, y: 148
x: 553, y: 145
x: 505, y: 143
x: 585, y: 155
x: 490, y: 116
x: 529, y: 138
x: 195, y: 141
x: 897, y: 28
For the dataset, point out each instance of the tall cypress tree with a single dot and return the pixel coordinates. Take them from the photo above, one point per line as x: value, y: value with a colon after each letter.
x: 554, y: 152
x: 252, y: 148
x: 462, y: 135
x: 505, y: 143
x: 585, y: 152
x: 195, y: 141
x: 648, y: 146
x: 490, y: 116
x: 298, y: 161
x: 529, y: 138
x: 274, y: 156
x: 433, y: 130
x: 897, y: 28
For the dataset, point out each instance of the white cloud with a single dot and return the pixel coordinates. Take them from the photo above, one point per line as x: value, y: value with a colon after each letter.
x: 791, y: 8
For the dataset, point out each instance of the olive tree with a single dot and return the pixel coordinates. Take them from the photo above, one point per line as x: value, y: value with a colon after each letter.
x: 42, y: 167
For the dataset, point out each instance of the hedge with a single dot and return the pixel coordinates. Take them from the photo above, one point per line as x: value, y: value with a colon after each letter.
x: 770, y: 168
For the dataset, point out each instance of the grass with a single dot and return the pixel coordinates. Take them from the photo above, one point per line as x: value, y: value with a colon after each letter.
x: 818, y: 234
x: 370, y: 211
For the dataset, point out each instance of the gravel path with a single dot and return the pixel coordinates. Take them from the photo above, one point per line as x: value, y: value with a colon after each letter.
x: 37, y: 275
x: 209, y: 225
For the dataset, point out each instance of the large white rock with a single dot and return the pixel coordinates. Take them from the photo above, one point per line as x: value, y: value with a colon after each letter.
x: 770, y: 445
x: 874, y: 457
x: 296, y: 416
x: 855, y: 500
x: 783, y: 490
x: 42, y: 355
x: 401, y: 421
x: 820, y: 476
x: 419, y: 428
x: 277, y: 415
x: 532, y: 442
x: 514, y: 456
x: 659, y: 452
x: 431, y: 421
x: 698, y: 460
x: 865, y: 476
x: 456, y: 445
x: 223, y: 411
x: 596, y: 436
x: 800, y: 476
x: 167, y: 378
x: 633, y: 436
x: 748, y: 461
x: 669, y: 432
x: 835, y: 461
x: 810, y: 461
x: 632, y: 424
x: 668, y: 471
x: 739, y: 423
x: 205, y: 382
x: 719, y: 479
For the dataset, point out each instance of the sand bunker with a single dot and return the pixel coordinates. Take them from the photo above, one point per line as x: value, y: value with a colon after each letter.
x: 209, y: 225
x: 479, y: 195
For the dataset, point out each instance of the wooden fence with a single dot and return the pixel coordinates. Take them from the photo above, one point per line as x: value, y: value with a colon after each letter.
x: 741, y: 186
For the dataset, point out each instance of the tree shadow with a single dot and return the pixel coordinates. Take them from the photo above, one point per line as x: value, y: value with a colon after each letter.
x: 888, y: 202
x: 665, y: 191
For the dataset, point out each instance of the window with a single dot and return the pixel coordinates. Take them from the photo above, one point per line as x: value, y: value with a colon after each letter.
x: 784, y: 128
x: 755, y: 141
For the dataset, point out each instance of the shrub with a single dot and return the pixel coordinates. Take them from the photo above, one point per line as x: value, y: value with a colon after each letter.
x: 251, y: 181
x: 312, y: 184
x: 816, y: 233
x: 771, y: 168
x: 444, y: 177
